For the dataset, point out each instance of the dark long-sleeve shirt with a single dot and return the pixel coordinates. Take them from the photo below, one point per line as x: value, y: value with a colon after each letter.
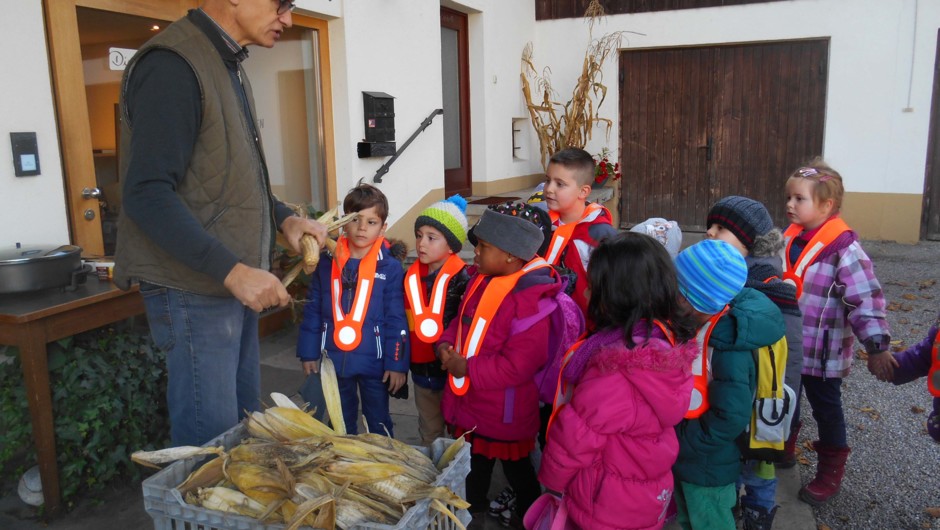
x: 164, y: 105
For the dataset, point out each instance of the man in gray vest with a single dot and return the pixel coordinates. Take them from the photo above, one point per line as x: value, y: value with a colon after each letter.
x: 197, y: 227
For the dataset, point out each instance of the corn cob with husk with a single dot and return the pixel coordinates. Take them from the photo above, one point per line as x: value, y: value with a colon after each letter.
x: 330, y: 385
x: 311, y: 250
x: 230, y: 501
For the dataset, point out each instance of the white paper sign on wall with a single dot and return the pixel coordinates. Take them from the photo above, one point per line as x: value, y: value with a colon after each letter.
x: 119, y: 57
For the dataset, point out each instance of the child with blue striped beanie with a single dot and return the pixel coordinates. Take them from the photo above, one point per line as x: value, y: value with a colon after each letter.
x: 734, y: 320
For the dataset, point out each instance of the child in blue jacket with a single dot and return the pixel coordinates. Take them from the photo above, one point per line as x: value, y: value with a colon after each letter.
x: 355, y: 312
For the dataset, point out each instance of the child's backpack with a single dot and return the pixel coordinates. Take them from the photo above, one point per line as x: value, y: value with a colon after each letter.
x: 774, y: 404
x: 566, y: 325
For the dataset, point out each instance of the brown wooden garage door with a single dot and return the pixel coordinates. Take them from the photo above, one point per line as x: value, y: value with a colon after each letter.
x: 701, y: 123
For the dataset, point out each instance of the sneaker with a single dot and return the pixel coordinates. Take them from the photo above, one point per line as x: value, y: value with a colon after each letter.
x: 506, y: 499
x: 508, y: 517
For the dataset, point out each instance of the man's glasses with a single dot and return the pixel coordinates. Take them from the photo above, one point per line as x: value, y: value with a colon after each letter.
x: 283, y: 6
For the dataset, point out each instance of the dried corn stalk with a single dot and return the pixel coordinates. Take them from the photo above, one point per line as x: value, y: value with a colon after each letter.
x: 560, y: 125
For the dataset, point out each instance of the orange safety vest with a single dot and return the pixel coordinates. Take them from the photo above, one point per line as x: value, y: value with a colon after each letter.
x: 563, y: 391
x: 562, y: 233
x: 492, y: 298
x: 428, y: 318
x: 347, y: 329
x: 933, y: 376
x: 793, y: 272
x: 701, y: 369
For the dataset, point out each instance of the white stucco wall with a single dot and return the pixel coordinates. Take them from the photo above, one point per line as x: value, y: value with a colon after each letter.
x: 32, y: 209
x: 392, y: 47
x: 874, y: 144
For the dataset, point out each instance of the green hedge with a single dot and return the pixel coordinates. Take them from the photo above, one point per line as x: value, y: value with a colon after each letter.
x: 108, y: 400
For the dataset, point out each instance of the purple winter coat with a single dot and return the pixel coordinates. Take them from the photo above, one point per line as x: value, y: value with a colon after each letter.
x: 611, y: 449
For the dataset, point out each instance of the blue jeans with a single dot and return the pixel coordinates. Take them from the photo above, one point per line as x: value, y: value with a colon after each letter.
x: 825, y: 398
x: 758, y: 491
x: 374, y: 403
x: 212, y: 357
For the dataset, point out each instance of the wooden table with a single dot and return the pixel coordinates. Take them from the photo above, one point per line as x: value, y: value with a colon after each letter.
x: 29, y: 321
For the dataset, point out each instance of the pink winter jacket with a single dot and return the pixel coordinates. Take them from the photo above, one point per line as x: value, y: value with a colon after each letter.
x: 502, y: 402
x: 611, y: 449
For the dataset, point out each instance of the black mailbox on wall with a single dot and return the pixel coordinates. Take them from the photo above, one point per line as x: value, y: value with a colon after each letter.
x: 379, y: 116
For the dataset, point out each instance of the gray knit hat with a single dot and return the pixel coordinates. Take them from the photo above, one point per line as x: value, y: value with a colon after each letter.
x: 746, y: 218
x: 511, y: 234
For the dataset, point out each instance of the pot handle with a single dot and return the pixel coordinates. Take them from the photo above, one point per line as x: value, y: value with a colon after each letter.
x: 79, y: 276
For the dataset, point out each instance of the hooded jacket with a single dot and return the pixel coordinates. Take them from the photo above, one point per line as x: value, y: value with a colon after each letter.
x: 502, y: 402
x: 615, y: 441
x: 384, y: 344
x: 708, y: 453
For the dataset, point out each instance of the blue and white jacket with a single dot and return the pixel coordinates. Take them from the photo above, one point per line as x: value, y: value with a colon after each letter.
x: 384, y: 345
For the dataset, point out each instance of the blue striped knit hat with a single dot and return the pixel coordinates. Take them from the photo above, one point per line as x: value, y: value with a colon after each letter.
x: 711, y: 273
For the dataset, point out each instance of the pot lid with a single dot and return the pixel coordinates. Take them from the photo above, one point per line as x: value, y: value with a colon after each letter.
x: 13, y: 255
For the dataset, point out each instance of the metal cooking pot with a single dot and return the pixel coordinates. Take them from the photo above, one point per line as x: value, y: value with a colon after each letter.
x: 24, y: 269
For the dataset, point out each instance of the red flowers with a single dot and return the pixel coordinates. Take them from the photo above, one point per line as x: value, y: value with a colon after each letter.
x: 604, y: 170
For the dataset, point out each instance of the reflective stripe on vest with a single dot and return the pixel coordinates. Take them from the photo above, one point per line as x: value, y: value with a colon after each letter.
x: 701, y: 368
x: 493, y: 296
x: 429, y: 318
x: 562, y: 233
x: 933, y: 377
x: 564, y: 391
x: 793, y: 272
x: 347, y: 329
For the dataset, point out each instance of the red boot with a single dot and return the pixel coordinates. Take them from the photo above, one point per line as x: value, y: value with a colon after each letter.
x: 789, y: 459
x: 829, y: 474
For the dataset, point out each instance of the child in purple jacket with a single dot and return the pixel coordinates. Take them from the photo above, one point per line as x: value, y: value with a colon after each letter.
x: 919, y: 360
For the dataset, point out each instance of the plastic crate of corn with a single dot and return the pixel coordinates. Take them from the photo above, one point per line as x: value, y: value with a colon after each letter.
x: 165, y: 504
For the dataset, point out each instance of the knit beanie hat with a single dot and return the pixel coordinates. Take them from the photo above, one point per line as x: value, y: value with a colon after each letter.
x: 746, y: 218
x: 711, y: 273
x: 449, y: 217
x: 666, y: 232
x: 509, y: 232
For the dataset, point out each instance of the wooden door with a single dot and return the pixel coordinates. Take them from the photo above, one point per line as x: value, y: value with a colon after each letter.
x: 455, y: 80
x: 701, y: 123
x: 930, y: 224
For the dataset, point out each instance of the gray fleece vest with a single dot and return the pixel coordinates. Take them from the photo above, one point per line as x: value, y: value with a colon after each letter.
x: 224, y: 186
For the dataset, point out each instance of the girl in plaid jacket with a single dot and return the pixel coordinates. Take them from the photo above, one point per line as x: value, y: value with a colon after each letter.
x: 841, y: 299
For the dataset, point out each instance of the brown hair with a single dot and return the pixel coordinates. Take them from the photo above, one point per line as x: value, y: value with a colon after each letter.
x: 827, y: 182
x: 577, y: 160
x: 366, y: 196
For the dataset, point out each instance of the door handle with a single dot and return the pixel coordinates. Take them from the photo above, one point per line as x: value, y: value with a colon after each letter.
x: 709, y: 144
x: 91, y: 193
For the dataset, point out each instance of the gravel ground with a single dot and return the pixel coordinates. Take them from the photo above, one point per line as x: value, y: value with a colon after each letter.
x: 892, y: 476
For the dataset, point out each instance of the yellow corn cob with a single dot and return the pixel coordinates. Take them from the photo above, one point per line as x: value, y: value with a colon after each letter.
x: 260, y: 483
x: 295, y: 424
x: 311, y: 252
x: 413, y: 457
x: 207, y: 476
x: 339, y: 471
x: 450, y: 453
x: 334, y: 406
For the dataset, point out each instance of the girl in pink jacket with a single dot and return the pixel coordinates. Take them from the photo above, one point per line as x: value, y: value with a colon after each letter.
x: 611, y: 448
